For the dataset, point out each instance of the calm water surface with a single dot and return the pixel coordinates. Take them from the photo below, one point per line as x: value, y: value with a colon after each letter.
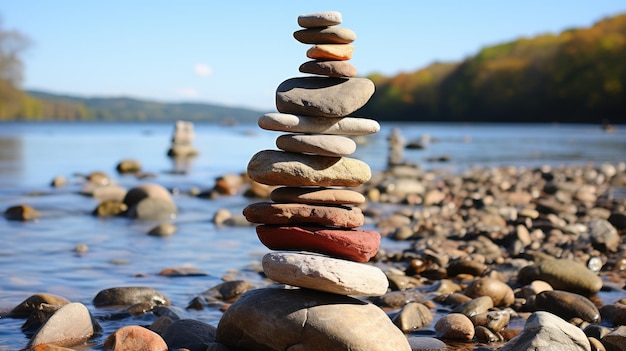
x: 39, y: 256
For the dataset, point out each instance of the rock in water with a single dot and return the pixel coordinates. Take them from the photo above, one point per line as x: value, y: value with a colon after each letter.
x: 134, y: 337
x: 306, y: 320
x: 323, y: 96
x: 71, y: 324
x: 126, y: 296
x: 149, y: 202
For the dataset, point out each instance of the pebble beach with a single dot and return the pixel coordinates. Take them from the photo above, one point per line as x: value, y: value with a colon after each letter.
x: 493, y: 257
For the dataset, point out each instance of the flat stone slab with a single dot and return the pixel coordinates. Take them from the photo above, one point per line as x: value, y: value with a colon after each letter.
x: 325, y: 35
x: 323, y: 96
x: 303, y: 319
x: 317, y: 195
x: 317, y: 144
x: 281, y: 213
x: 340, y: 52
x: 320, y: 19
x: 272, y: 167
x: 353, y: 245
x: 337, y: 69
x: 324, y: 273
x: 282, y: 122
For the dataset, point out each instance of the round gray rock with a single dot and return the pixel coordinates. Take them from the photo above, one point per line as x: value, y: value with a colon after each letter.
x: 149, y: 202
x: 323, y: 96
x: 543, y: 330
x: 305, y: 320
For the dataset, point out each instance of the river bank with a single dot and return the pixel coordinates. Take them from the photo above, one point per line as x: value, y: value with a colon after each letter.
x: 503, y: 228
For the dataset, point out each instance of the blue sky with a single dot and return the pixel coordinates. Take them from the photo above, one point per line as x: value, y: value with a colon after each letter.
x: 237, y: 52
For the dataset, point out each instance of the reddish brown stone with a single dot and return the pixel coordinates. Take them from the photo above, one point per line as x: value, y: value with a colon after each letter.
x: 294, y: 213
x: 330, y: 68
x: 353, y: 245
x: 134, y: 337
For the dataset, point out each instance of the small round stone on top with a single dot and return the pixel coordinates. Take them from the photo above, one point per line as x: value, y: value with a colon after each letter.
x: 319, y: 19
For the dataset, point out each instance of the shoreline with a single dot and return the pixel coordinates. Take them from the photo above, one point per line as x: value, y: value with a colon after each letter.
x: 484, y: 224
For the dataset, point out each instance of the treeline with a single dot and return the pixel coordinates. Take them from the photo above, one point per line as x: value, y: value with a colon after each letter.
x: 40, y: 106
x: 128, y: 109
x: 577, y: 76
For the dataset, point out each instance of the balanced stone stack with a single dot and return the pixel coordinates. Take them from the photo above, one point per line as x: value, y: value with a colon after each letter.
x: 312, y: 219
x: 182, y: 140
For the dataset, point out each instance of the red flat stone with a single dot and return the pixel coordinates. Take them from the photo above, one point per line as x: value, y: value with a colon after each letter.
x: 349, y: 244
x: 304, y: 214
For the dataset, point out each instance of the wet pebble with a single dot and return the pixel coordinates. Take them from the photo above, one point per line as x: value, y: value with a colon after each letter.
x: 615, y: 340
x: 126, y: 296
x: 426, y: 344
x: 484, y: 335
x: 501, y: 294
x: 134, y: 337
x: 567, y: 305
x: 475, y: 306
x: 21, y: 213
x: 493, y: 320
x: 33, y: 303
x: 58, y: 182
x: 455, y: 326
x: 128, y: 166
x: 563, y: 274
x: 614, y: 313
x: 189, y: 334
x: 413, y: 316
x: 163, y: 230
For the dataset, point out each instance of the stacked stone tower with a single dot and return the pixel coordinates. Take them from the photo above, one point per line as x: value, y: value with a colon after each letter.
x: 313, y: 218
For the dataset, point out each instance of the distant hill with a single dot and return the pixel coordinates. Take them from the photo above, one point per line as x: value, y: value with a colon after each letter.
x: 577, y: 76
x: 128, y: 109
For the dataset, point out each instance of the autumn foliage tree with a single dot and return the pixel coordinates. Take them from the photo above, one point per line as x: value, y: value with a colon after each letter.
x: 578, y: 75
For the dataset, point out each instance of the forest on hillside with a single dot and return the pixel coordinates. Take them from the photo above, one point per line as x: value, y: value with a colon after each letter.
x: 577, y: 76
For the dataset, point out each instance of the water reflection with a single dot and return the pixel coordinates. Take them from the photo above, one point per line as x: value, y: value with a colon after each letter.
x: 11, y: 160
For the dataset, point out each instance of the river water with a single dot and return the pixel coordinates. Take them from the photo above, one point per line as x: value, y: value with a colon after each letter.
x: 40, y: 257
